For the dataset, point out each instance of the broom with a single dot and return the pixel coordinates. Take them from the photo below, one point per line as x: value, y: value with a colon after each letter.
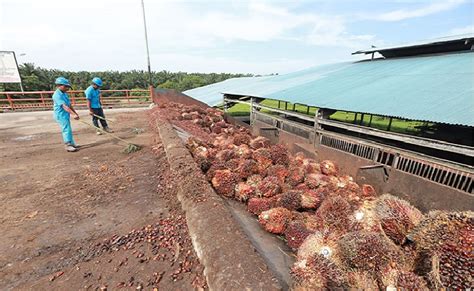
x: 134, y: 130
x: 131, y: 148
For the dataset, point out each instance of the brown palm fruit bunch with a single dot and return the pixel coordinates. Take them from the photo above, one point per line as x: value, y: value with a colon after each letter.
x: 257, y: 205
x: 224, y: 182
x: 243, y: 151
x: 243, y: 191
x: 222, y: 141
x: 280, y: 155
x: 216, y: 128
x: 298, y: 158
x: 295, y: 233
x: 232, y: 164
x: 445, y: 245
x: 186, y: 116
x: 410, y: 281
x: 278, y: 171
x: 254, y: 180
x: 320, y: 243
x: 259, y: 142
x: 263, y: 158
x: 247, y: 168
x: 291, y: 200
x: 310, y: 199
x: 368, y: 191
x: 268, y: 187
x: 365, y: 217
x: 216, y: 165
x: 241, y: 138
x: 310, y: 220
x: 397, y: 217
x: 315, y: 180
x: 275, y: 220
x: 318, y: 273
x: 334, y: 214
x: 311, y: 167
x: 369, y: 251
x: 361, y: 280
x: 225, y: 155
x: 328, y: 168
x: 296, y: 175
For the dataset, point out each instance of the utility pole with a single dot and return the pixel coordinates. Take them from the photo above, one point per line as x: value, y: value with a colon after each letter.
x: 146, y: 42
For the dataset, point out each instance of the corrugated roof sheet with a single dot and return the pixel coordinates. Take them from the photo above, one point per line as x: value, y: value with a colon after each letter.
x: 437, y: 88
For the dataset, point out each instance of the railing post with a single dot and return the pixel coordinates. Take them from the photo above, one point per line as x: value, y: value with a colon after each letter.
x: 73, y: 100
x: 42, y: 100
x: 317, y: 126
x: 127, y: 95
x: 10, y: 101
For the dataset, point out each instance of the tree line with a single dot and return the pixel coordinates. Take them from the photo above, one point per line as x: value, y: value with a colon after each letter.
x: 40, y: 79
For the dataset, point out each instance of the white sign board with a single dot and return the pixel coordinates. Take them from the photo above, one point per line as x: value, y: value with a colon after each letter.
x: 8, y: 68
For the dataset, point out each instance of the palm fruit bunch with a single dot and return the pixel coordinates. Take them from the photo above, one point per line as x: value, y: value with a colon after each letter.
x: 215, y: 166
x: 318, y: 273
x: 369, y: 251
x: 246, y: 168
x: 410, y: 281
x: 291, y: 200
x: 316, y: 180
x: 320, y: 243
x: 224, y: 182
x: 328, y: 168
x: 368, y: 191
x: 279, y: 171
x: 268, y: 187
x: 361, y: 280
x: 275, y: 220
x: 243, y: 151
x: 279, y: 154
x: 365, y: 217
x: 259, y: 142
x: 242, y: 138
x: 295, y: 233
x: 254, y: 180
x: 445, y: 249
x: 263, y: 158
x: 244, y: 191
x: 257, y: 205
x: 334, y: 214
x: 296, y: 175
x: 397, y: 217
x: 225, y: 155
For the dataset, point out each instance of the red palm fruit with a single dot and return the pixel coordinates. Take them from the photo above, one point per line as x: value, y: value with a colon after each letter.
x: 241, y: 138
x: 244, y: 191
x: 254, y: 180
x: 318, y: 273
x: 186, y: 116
x: 410, y: 281
x: 328, y: 168
x: 216, y: 118
x: 397, y: 217
x: 278, y: 171
x: 291, y: 200
x: 222, y: 124
x: 316, y: 180
x: 280, y: 155
x: 311, y: 167
x: 243, y: 151
x: 299, y: 157
x: 275, y: 220
x: 216, y: 128
x: 296, y: 232
x: 268, y: 187
x: 296, y: 176
x: 320, y: 243
x: 216, y: 165
x: 259, y: 142
x: 333, y: 214
x: 361, y: 280
x: 232, y: 164
x: 247, y: 168
x: 263, y: 158
x: 224, y: 182
x: 310, y: 199
x: 365, y: 217
x: 369, y: 251
x: 225, y: 155
x: 368, y: 191
x: 258, y: 205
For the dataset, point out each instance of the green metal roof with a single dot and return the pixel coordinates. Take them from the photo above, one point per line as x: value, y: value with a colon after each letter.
x: 437, y: 88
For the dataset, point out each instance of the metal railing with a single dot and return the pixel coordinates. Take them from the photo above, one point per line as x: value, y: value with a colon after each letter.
x: 37, y: 100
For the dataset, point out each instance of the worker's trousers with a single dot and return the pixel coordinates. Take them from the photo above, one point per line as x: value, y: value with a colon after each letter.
x: 66, y: 130
x: 95, y: 120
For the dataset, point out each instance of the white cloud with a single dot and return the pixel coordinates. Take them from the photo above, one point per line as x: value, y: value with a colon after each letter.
x: 432, y: 8
x: 462, y: 30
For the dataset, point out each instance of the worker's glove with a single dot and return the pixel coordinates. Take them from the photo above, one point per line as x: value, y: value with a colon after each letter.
x: 91, y: 113
x: 76, y: 117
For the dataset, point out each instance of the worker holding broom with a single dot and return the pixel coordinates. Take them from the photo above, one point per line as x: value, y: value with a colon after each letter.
x: 62, y: 112
x: 95, y: 106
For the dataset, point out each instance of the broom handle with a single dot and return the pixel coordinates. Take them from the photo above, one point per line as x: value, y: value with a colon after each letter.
x: 100, y: 117
x: 111, y: 134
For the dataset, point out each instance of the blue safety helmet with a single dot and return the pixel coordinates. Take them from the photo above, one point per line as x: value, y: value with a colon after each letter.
x: 62, y: 81
x: 97, y: 81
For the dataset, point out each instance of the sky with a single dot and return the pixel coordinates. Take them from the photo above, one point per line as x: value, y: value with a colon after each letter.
x: 236, y: 36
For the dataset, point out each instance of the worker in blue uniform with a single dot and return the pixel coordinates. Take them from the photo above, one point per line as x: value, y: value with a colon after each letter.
x: 95, y: 105
x: 62, y: 112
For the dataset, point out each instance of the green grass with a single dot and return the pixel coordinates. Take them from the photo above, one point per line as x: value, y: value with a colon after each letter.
x: 378, y: 122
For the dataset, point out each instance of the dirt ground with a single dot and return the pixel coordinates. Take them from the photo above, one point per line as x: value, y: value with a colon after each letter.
x: 97, y: 219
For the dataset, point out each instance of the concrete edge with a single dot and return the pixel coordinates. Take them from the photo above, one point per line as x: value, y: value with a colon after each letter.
x: 230, y: 260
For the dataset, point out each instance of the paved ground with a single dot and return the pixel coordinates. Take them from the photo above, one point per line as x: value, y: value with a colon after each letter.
x: 94, y: 219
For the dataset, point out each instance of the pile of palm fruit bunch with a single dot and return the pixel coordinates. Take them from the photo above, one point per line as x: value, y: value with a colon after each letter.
x: 345, y: 235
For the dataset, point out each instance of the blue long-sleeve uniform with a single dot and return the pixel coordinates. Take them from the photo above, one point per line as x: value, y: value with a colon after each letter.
x: 62, y: 116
